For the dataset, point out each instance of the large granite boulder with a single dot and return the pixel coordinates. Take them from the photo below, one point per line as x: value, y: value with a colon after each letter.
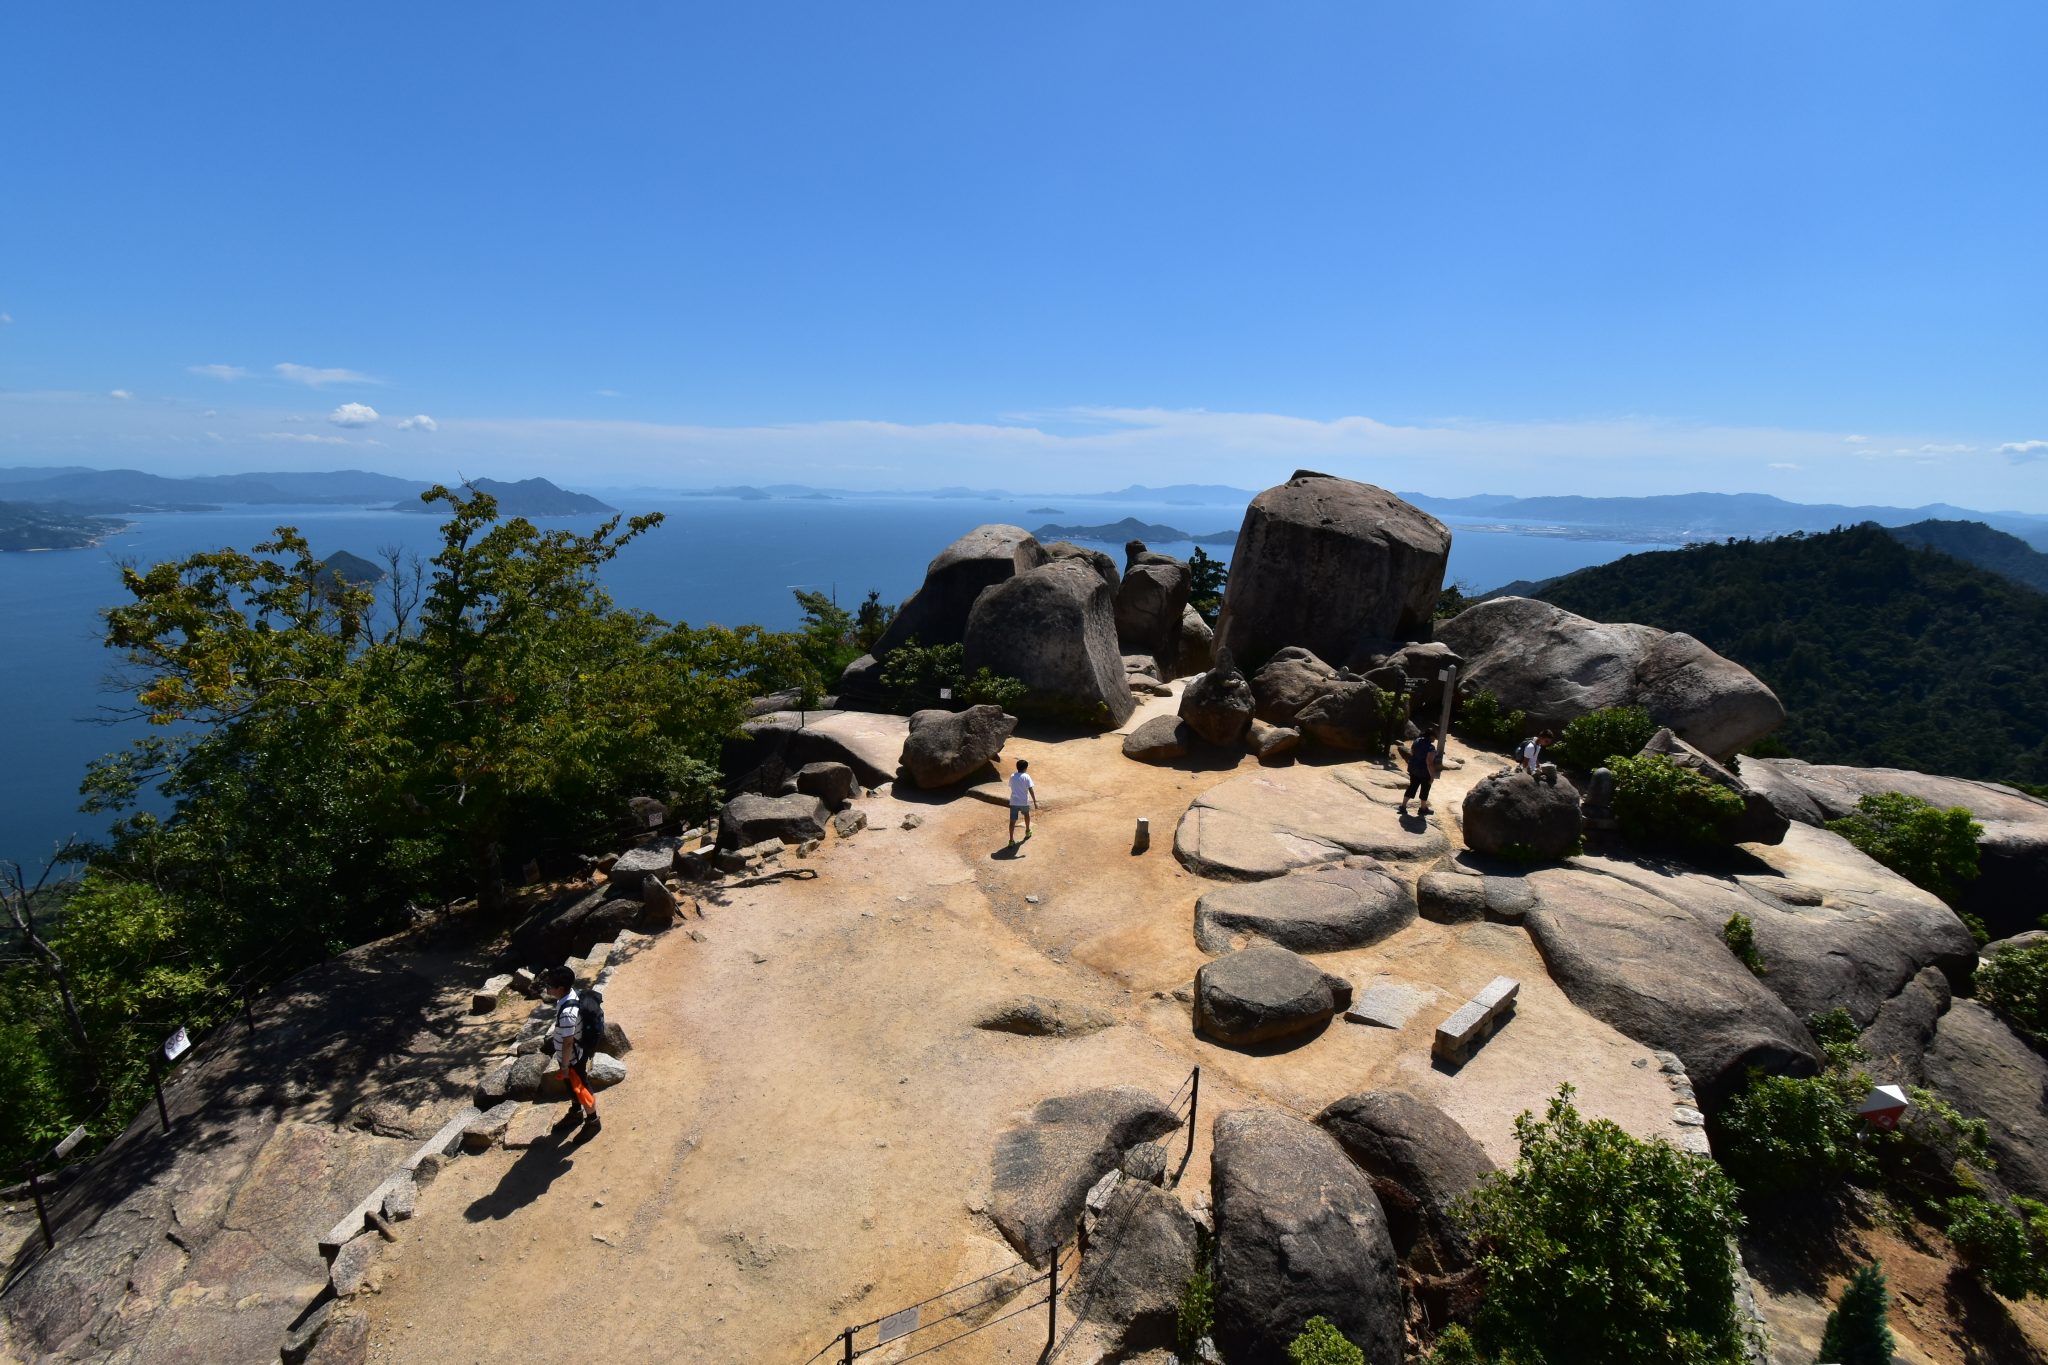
x: 1321, y: 909
x: 656, y: 858
x: 1263, y: 993
x: 1138, y: 1262
x: 944, y: 747
x: 1161, y: 739
x: 1045, y: 1166
x: 1102, y: 563
x: 1149, y: 604
x: 771, y: 750
x: 1053, y: 629
x: 1266, y: 823
x: 1421, y: 1163
x: 1425, y: 662
x: 1898, y: 1036
x: 1663, y: 977
x: 1288, y: 681
x: 1760, y: 821
x: 832, y: 783
x: 1197, y: 644
x: 1346, y: 716
x: 571, y: 925
x: 2013, y: 850
x: 1556, y: 666
x: 1330, y: 565
x: 1978, y: 1064
x: 936, y: 614
x: 749, y: 819
x: 1299, y: 1234
x: 1217, y: 705
x: 1511, y: 814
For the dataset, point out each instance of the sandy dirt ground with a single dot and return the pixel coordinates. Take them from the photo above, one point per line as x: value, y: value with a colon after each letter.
x: 805, y: 1139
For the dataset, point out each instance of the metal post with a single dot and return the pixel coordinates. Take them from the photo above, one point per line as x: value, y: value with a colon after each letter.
x: 35, y: 1192
x: 1443, y: 731
x: 1052, y: 1300
x: 1194, y: 1102
x: 156, y: 1079
x: 847, y: 1337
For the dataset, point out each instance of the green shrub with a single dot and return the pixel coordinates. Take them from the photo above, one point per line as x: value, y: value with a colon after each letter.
x: 1481, y: 720
x: 1320, y: 1343
x: 1839, y: 1037
x: 1658, y: 802
x: 1784, y: 1133
x: 990, y: 689
x: 1857, y: 1333
x: 1197, y: 1314
x: 1598, y: 736
x: 1455, y: 1347
x: 2009, y: 1253
x: 1739, y: 933
x: 1599, y: 1248
x: 2014, y: 981
x: 913, y: 676
x: 1934, y: 849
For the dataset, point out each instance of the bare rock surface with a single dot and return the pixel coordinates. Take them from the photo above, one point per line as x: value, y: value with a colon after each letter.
x: 1197, y: 644
x: 1149, y: 603
x: 1045, y: 1167
x: 1977, y: 1063
x: 1103, y: 563
x: 1318, y: 909
x: 1217, y: 705
x: 1141, y: 1254
x: 1512, y: 814
x: 1420, y: 1162
x: 1897, y: 1037
x: 1268, y: 823
x: 1039, y: 1017
x: 1557, y: 666
x: 1329, y: 564
x: 1264, y: 993
x: 1288, y: 681
x: 945, y: 747
x: 1053, y: 629
x: 1299, y: 1234
x: 937, y: 613
x: 1346, y: 716
x: 1159, y: 740
x: 784, y: 743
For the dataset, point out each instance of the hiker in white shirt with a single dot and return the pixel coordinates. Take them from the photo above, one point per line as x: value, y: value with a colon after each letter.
x: 1023, y: 798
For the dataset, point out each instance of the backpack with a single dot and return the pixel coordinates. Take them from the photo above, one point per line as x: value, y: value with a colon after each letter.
x: 590, y: 1014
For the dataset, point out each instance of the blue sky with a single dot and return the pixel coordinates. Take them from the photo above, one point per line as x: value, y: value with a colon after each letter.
x: 1469, y: 247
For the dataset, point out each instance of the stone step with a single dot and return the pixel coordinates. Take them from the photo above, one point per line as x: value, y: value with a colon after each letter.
x: 1472, y: 1023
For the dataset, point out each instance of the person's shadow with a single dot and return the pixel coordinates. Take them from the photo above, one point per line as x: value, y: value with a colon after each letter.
x: 1009, y: 851
x: 526, y: 1180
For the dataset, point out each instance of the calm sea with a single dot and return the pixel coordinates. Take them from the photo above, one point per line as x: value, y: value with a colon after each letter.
x: 713, y: 560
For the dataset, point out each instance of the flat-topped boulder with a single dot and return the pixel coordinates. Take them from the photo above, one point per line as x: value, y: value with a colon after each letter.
x: 1053, y: 628
x: 1265, y: 993
x: 1045, y: 1166
x: 750, y: 819
x: 936, y: 614
x: 1421, y: 1162
x: 2013, y: 850
x: 1319, y: 909
x: 1268, y: 823
x: 772, y: 749
x: 1299, y: 1234
x: 945, y: 747
x: 635, y: 865
x: 1557, y: 666
x: 1330, y: 565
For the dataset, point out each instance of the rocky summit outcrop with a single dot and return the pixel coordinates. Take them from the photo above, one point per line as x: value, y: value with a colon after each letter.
x: 1556, y: 666
x: 1977, y: 1063
x: 1288, y: 681
x: 2013, y: 850
x: 1270, y: 822
x: 1660, y: 975
x: 1759, y: 823
x: 1149, y: 604
x: 1217, y: 705
x: 936, y: 614
x: 1054, y: 629
x: 1299, y: 1234
x: 1897, y: 1037
x: 1511, y: 814
x: 1321, y: 909
x: 1421, y: 1163
x: 1265, y: 993
x: 944, y: 747
x: 1045, y: 1166
x: 1333, y: 566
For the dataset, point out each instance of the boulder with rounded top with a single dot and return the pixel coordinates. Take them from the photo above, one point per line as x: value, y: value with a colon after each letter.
x: 944, y: 747
x: 1053, y: 629
x: 936, y: 614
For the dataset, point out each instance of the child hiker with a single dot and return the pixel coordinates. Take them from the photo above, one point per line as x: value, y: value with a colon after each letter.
x: 567, y: 1039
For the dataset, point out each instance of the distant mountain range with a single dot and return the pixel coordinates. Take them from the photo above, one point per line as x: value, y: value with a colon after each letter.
x: 1130, y: 528
x: 526, y: 498
x: 86, y: 492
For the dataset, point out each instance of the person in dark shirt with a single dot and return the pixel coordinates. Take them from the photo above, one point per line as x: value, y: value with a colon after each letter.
x: 1424, y: 763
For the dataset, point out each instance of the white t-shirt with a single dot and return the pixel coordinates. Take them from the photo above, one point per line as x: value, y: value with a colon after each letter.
x: 1020, y: 789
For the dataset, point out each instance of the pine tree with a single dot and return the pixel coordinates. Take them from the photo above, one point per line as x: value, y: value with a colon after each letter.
x: 1856, y: 1333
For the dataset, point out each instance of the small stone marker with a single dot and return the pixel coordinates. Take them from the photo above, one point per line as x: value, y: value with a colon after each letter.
x: 1144, y: 837
x: 1461, y: 1035
x: 1387, y: 1005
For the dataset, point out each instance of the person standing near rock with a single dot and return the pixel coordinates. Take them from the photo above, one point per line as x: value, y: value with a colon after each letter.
x: 1023, y: 798
x: 1425, y: 763
x: 1529, y: 753
x: 568, y: 1042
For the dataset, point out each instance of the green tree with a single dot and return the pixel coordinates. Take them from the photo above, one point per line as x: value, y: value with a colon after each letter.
x: 1452, y: 598
x: 1785, y: 1133
x: 1207, y: 577
x: 1739, y: 933
x: 828, y: 636
x: 2014, y: 981
x: 1595, y: 738
x: 2008, y: 1251
x: 1481, y: 719
x: 1599, y: 1249
x: 1320, y: 1343
x: 1934, y: 849
x: 1857, y: 1333
x: 1658, y: 802
x: 871, y: 620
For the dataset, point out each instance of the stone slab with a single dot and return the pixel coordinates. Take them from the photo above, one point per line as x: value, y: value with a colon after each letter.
x: 1388, y: 1004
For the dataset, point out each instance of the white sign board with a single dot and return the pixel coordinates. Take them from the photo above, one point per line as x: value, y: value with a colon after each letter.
x: 177, y: 1045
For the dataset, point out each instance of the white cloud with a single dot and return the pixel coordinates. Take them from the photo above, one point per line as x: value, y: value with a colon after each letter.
x: 120, y: 393
x: 1783, y: 464
x: 314, y: 376
x: 6, y: 319
x: 353, y: 415
x: 209, y: 413
x: 1855, y: 440
x: 219, y: 371
x: 607, y: 393
x: 419, y: 422
x: 1952, y: 448
x: 305, y: 438
x: 2025, y: 452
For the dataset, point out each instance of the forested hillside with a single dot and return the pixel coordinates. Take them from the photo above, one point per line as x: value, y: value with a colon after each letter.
x: 1882, y: 653
x: 1975, y: 543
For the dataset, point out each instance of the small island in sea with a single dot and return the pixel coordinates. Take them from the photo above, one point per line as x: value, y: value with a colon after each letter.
x: 1130, y: 528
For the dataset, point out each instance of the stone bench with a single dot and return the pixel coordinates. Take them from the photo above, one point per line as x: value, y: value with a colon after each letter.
x: 1461, y: 1035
